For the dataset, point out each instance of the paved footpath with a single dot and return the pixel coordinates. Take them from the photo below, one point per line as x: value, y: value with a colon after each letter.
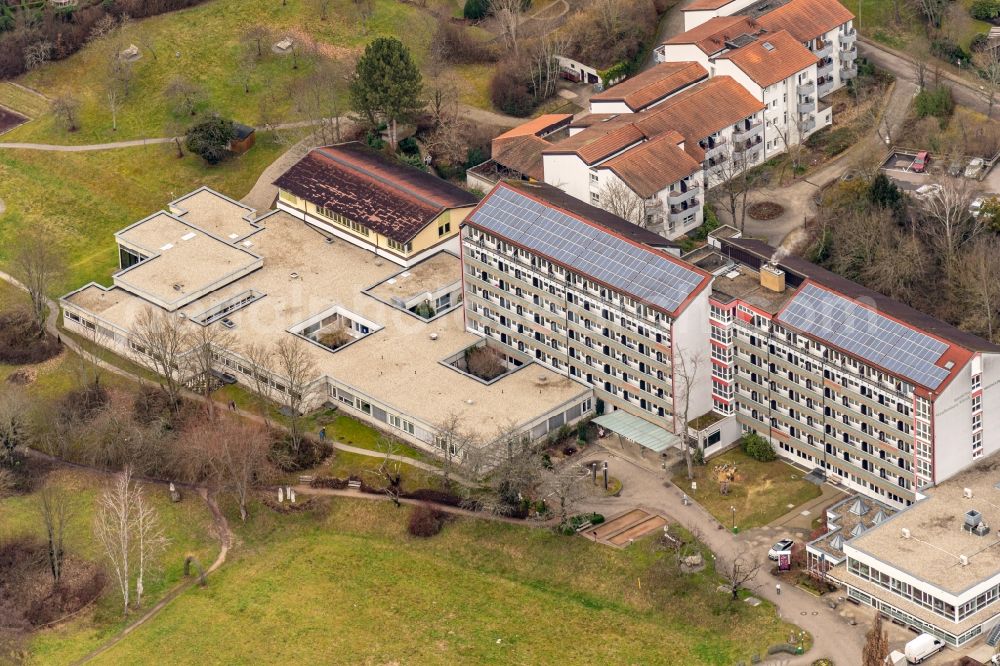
x: 646, y: 484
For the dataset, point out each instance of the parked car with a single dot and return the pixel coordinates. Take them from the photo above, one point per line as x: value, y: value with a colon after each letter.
x: 224, y: 377
x: 924, y: 191
x: 922, y: 160
x: 922, y: 647
x: 975, y: 168
x: 976, y: 207
x: 782, y: 546
x: 955, y: 168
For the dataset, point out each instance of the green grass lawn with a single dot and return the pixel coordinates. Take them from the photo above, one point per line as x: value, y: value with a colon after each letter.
x: 187, y: 524
x: 761, y: 494
x: 352, y: 587
x: 877, y: 20
x: 83, y: 198
x: 203, y: 45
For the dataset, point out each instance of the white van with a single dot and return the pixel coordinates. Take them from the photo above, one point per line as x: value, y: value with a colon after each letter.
x: 922, y: 647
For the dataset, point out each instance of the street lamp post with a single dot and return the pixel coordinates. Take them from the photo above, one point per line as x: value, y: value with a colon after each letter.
x: 733, y: 509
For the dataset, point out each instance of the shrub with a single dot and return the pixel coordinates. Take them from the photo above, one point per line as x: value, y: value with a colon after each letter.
x: 331, y: 482
x: 436, y: 496
x: 757, y: 447
x: 415, y: 161
x: 949, y: 50
x: 485, y: 362
x: 409, y: 146
x: 985, y: 10
x: 882, y: 191
x: 935, y: 102
x: 458, y: 47
x: 310, y: 453
x: 84, y: 403
x: 510, y: 90
x: 425, y: 521
x: 476, y: 9
x: 20, y: 342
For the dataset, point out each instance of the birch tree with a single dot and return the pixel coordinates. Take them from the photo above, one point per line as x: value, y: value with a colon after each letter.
x: 619, y: 199
x: 508, y: 16
x: 114, y: 529
x: 149, y: 539
x: 688, y: 370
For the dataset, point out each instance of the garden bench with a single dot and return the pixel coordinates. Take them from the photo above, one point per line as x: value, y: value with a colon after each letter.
x: 354, y: 484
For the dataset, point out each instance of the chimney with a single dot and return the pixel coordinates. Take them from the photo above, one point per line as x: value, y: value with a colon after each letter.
x: 772, y: 278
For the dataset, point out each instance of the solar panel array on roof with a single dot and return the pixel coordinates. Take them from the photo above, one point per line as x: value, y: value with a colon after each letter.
x: 590, y: 251
x: 867, y: 334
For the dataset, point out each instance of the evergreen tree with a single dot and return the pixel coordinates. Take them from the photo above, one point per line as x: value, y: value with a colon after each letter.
x: 210, y: 139
x: 387, y: 85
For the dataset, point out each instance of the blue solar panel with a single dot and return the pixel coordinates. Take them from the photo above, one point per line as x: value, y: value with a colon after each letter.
x: 590, y: 251
x: 867, y: 334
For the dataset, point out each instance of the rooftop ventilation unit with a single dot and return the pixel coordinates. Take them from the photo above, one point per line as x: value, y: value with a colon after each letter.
x: 963, y: 560
x: 905, y: 533
x: 188, y: 236
x: 329, y: 240
x: 974, y: 523
x: 768, y: 46
x: 772, y: 278
x: 967, y: 493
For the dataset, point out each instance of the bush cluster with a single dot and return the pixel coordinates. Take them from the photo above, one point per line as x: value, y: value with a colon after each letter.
x: 985, y: 10
x: 936, y: 102
x: 510, y: 90
x: 757, y: 447
x: 425, y: 521
x: 20, y: 342
x: 456, y: 45
x: 310, y: 453
x: 65, y: 30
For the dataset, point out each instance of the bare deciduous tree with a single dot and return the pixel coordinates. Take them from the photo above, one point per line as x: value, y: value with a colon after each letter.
x: 13, y: 424
x: 736, y: 183
x: 508, y: 16
x: 739, y: 571
x: 56, y: 509
x: 517, y: 471
x: 160, y: 340
x: 388, y: 471
x: 687, y: 368
x: 320, y: 97
x: 980, y: 281
x: 229, y: 454
x: 254, y: 38
x: 37, y: 262
x: 261, y: 359
x: 988, y: 62
x: 619, y: 199
x: 205, y: 343
x: 184, y: 96
x: 37, y: 54
x: 455, y: 441
x: 67, y: 110
x: 293, y: 362
x: 150, y: 540
x: 565, y: 484
x: 946, y: 220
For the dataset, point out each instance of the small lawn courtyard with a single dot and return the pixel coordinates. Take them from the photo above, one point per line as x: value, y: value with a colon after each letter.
x: 761, y: 491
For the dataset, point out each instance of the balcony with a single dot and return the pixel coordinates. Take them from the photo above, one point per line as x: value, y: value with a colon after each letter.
x: 743, y: 133
x: 825, y: 67
x: 848, y: 73
x: 683, y: 208
x: 806, y: 88
x: 714, y: 147
x: 653, y: 203
x: 678, y: 217
x: 848, y: 39
x: 678, y: 197
x: 823, y: 49
x: 808, y: 106
x: 848, y: 55
x: 807, y: 125
x: 825, y: 88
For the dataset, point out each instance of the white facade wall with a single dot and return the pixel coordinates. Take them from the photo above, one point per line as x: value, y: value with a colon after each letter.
x: 569, y: 173
x: 693, y: 356
x: 953, y: 427
x: 598, y: 106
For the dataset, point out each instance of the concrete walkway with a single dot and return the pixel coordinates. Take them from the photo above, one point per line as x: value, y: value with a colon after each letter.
x: 645, y: 483
x: 798, y: 198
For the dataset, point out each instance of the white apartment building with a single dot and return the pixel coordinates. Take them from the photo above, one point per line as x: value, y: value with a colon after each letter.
x: 697, y: 136
x: 825, y: 27
x: 774, y: 68
x: 589, y: 296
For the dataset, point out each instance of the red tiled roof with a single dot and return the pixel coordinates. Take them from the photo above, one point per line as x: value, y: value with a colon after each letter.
x: 764, y: 65
x: 522, y: 154
x: 653, y: 85
x: 653, y: 166
x: 701, y: 110
x: 599, y: 141
x: 540, y: 125
x: 711, y: 36
x: 806, y: 19
x: 365, y: 186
